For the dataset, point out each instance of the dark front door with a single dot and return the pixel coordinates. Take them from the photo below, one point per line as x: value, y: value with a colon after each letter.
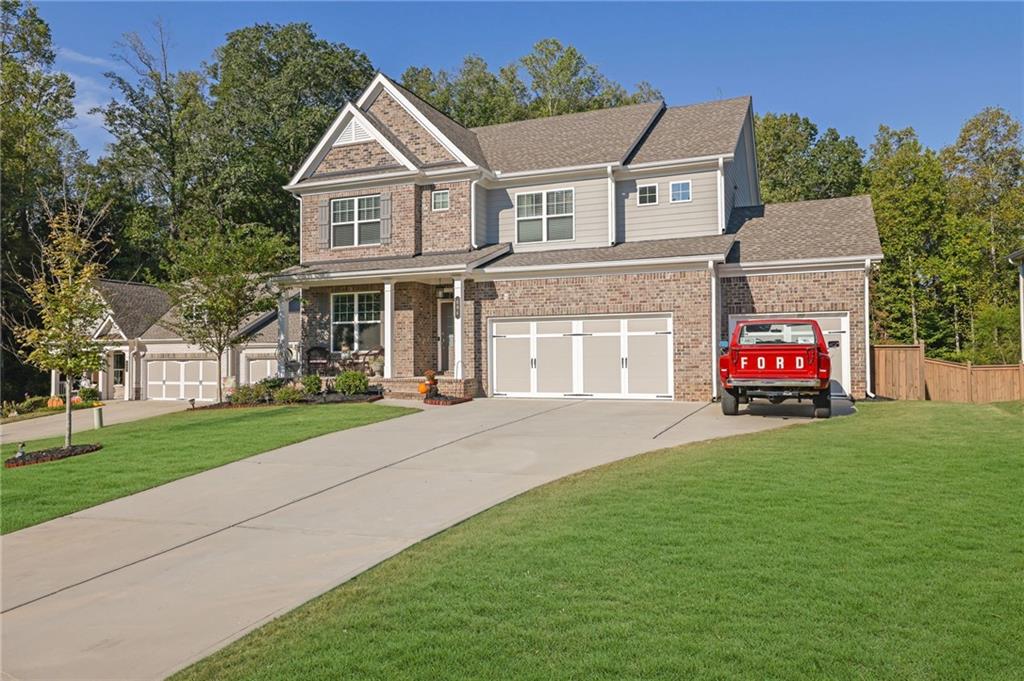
x: 446, y: 337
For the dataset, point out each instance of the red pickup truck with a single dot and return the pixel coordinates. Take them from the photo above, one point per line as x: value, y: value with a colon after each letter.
x: 776, y: 359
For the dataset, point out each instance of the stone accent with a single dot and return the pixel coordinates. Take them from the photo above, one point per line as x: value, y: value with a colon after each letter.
x: 408, y: 388
x: 363, y: 156
x: 446, y: 230
x: 841, y: 291
x: 685, y: 294
x: 405, y: 219
x: 413, y: 136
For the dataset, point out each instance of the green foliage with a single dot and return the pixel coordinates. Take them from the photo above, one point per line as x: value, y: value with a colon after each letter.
x: 352, y: 383
x: 89, y: 394
x: 311, y: 384
x: 272, y: 383
x: 248, y: 394
x: 289, y: 395
x: 796, y: 164
x: 558, y: 80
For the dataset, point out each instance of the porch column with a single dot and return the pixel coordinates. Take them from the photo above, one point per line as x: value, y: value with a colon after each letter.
x: 54, y: 382
x: 282, y: 335
x: 103, y: 378
x: 457, y: 310
x: 129, y: 372
x: 389, y: 313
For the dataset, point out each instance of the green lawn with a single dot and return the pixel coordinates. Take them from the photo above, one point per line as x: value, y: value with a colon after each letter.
x: 150, y: 452
x: 885, y: 545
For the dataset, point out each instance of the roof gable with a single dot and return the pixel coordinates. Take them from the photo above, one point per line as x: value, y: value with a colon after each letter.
x: 134, y: 307
x: 694, y: 131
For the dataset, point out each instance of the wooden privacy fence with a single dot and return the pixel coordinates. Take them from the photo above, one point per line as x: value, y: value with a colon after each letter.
x: 902, y: 372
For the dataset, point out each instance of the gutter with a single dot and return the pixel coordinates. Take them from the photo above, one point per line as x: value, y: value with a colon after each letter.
x: 867, y: 329
x: 599, y: 264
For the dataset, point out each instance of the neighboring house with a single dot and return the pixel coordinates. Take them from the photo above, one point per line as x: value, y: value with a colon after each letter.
x: 598, y: 254
x: 144, y: 359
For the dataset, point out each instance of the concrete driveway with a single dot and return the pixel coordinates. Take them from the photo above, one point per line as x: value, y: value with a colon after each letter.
x: 140, y: 587
x: 119, y: 411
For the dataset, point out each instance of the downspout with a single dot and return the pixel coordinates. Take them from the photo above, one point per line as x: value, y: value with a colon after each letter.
x: 713, y: 272
x: 721, y: 195
x: 867, y: 329
x: 472, y: 214
x: 611, y: 207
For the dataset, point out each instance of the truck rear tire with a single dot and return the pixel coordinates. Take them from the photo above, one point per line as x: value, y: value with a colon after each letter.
x: 730, y: 403
x: 823, y: 405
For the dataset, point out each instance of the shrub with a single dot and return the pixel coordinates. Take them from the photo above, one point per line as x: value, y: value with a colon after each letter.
x: 32, y: 404
x: 89, y: 394
x: 311, y: 384
x: 272, y: 383
x: 248, y: 394
x: 352, y: 383
x: 289, y: 395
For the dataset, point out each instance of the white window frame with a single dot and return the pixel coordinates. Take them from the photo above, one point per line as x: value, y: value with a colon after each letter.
x: 355, y: 220
x: 447, y: 200
x: 544, y: 215
x: 645, y: 186
x: 356, y: 322
x: 671, y: 193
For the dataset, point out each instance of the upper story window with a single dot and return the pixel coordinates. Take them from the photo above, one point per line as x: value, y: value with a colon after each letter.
x: 680, y: 192
x: 545, y: 216
x: 647, y: 195
x: 440, y: 200
x: 355, y: 221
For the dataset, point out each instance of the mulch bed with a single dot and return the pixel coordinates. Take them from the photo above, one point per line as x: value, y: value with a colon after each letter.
x: 53, y: 454
x: 446, y: 401
x: 331, y: 398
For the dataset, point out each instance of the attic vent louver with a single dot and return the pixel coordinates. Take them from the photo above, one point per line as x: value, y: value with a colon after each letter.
x: 352, y: 134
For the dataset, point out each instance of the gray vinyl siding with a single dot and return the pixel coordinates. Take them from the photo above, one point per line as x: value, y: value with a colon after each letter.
x: 590, y: 225
x: 667, y: 220
x: 739, y: 173
x: 483, y: 234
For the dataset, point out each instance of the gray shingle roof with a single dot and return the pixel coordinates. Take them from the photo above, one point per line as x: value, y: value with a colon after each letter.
x: 591, y: 137
x: 134, y: 307
x: 695, y: 130
x: 805, y: 230
x: 462, y: 137
x: 714, y: 245
x: 452, y: 259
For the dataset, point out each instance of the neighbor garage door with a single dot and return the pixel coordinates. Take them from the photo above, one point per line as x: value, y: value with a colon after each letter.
x: 599, y: 357
x: 836, y: 328
x: 170, y: 379
x: 260, y: 368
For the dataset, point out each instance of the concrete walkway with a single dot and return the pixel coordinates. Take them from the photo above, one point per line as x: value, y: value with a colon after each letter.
x: 119, y: 411
x: 140, y: 587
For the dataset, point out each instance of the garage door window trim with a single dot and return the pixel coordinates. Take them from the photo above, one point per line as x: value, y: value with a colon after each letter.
x: 548, y: 215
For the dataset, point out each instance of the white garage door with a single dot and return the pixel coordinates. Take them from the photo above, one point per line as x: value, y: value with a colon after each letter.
x: 600, y: 357
x: 260, y: 369
x: 836, y: 328
x: 171, y: 379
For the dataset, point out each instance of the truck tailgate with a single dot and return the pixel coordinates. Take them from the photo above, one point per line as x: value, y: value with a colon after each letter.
x: 782, y: 364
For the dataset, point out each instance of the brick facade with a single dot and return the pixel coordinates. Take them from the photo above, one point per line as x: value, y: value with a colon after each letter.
x: 413, y: 136
x: 446, y: 230
x: 841, y: 291
x: 363, y: 156
x: 685, y: 294
x: 405, y: 219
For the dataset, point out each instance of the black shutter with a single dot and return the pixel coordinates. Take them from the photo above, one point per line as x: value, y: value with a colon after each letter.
x: 325, y: 224
x: 385, y: 218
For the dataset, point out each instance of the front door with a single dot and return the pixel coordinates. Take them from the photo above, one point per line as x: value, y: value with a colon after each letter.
x: 445, y: 336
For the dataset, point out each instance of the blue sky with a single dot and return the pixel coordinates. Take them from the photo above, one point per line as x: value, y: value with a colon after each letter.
x: 851, y: 66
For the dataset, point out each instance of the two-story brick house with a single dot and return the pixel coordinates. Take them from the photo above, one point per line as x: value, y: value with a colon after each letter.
x: 599, y: 254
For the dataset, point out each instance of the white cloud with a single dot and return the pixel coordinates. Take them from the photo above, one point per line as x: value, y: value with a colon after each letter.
x: 72, y: 55
x: 87, y: 126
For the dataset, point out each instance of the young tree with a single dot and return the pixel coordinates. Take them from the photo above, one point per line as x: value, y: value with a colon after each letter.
x: 219, y: 280
x: 64, y: 293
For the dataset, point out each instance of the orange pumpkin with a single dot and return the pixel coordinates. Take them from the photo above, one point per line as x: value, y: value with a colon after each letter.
x: 55, y: 402
x: 423, y: 388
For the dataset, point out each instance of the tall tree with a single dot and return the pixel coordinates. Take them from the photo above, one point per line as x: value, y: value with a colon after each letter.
x: 218, y: 280
x: 796, y: 164
x: 36, y: 104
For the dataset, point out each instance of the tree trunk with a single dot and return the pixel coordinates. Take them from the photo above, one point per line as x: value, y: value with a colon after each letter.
x: 67, y: 411
x: 220, y: 383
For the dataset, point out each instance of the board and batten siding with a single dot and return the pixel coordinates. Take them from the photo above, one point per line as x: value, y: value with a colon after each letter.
x: 590, y: 224
x: 667, y: 220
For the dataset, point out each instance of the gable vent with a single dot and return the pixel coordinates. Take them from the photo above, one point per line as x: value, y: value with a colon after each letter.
x: 353, y: 133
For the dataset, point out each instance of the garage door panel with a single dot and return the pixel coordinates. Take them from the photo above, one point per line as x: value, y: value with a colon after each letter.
x: 602, y: 326
x: 655, y: 325
x: 172, y: 372
x: 190, y: 371
x: 512, y: 365
x: 554, y: 364
x: 602, y: 364
x: 648, y: 364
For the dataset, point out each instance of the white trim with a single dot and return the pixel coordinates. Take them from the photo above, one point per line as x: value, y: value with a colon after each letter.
x: 387, y: 328
x: 383, y: 82
x: 440, y: 328
x: 645, y: 186
x: 607, y: 264
x: 680, y: 161
x: 331, y: 185
x: 358, y: 134
x: 714, y: 329
x: 543, y: 216
x: 499, y: 175
x: 356, y: 221
x: 787, y: 266
x: 355, y: 316
x: 472, y: 213
x: 867, y: 330
x: 721, y: 195
x: 447, y: 198
x: 458, y: 313
x: 611, y: 207
x: 689, y: 191
x: 322, y: 146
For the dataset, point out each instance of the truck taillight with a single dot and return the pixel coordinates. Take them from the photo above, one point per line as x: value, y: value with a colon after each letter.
x: 723, y: 368
x: 824, y: 366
